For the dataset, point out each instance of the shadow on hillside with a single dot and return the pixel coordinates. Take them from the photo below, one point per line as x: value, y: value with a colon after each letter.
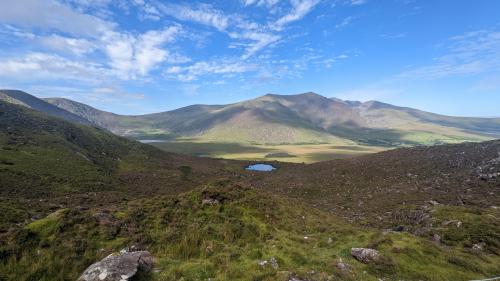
x: 208, y: 148
x: 374, y: 137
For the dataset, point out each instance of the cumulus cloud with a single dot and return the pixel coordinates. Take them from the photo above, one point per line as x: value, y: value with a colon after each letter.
x: 50, y: 15
x: 68, y: 45
x: 47, y: 66
x: 131, y: 56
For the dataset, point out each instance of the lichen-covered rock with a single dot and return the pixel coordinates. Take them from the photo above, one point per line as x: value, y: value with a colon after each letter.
x: 274, y: 262
x: 118, y: 267
x: 365, y: 255
x: 343, y: 267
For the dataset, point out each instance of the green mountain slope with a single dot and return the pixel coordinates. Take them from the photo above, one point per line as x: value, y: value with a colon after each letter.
x: 46, y: 159
x: 304, y: 118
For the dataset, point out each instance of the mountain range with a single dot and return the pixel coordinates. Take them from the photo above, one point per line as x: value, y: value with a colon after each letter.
x: 73, y: 194
x: 306, y: 118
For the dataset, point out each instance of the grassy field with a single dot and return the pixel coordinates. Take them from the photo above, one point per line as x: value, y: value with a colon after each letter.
x: 227, y: 241
x: 297, y: 153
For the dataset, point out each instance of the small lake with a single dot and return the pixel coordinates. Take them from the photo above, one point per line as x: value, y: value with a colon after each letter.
x: 261, y: 167
x: 151, y: 141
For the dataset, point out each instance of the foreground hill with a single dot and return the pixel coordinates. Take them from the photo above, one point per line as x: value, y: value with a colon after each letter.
x: 225, y: 231
x: 47, y: 162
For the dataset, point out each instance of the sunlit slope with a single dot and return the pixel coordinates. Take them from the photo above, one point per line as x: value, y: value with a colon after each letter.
x: 44, y: 159
x: 296, y: 119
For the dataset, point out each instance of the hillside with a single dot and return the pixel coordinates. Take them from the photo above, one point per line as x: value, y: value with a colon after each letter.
x: 72, y: 194
x: 27, y: 100
x: 376, y: 188
x: 294, y: 128
x: 304, y: 118
x: 242, y: 234
x: 59, y: 163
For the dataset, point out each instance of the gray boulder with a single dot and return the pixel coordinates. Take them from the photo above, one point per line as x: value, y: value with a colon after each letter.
x: 118, y: 267
x: 365, y: 255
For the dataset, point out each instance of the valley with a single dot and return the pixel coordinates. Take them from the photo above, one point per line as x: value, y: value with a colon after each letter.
x: 71, y: 194
x: 293, y: 128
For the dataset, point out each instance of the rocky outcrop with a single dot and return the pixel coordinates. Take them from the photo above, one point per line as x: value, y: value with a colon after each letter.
x: 118, y: 267
x: 212, y: 198
x: 365, y: 255
x: 489, y: 170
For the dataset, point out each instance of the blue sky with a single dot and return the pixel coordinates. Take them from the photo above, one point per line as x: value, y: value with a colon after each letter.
x: 142, y: 56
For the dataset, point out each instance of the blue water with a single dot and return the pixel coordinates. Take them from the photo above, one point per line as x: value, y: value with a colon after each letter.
x: 260, y: 167
x: 151, y: 141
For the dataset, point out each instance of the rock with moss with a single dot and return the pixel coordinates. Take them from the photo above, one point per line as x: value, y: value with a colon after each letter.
x: 365, y: 255
x: 121, y: 266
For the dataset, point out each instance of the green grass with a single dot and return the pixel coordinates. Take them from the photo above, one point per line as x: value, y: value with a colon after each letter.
x: 193, y: 241
x: 306, y: 152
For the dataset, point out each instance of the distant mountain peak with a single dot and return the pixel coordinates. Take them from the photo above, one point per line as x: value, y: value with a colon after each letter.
x: 272, y: 118
x: 27, y: 100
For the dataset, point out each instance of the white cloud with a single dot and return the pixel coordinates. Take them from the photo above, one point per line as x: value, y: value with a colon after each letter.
x: 194, y: 71
x: 393, y: 35
x: 68, y: 45
x: 358, y: 2
x: 259, y: 40
x: 132, y: 56
x: 469, y: 54
x: 148, y: 11
x: 46, y: 66
x: 267, y: 3
x: 191, y: 89
x: 300, y: 8
x: 94, y: 96
x: 345, y: 22
x: 203, y: 14
x: 50, y: 15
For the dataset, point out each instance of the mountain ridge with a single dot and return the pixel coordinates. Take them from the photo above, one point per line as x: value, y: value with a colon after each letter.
x: 292, y: 119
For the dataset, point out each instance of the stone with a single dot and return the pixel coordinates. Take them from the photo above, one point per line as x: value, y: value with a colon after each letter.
x: 436, y: 238
x: 293, y: 278
x: 433, y: 202
x: 104, y: 217
x: 342, y: 266
x: 365, y: 255
x: 399, y: 228
x: 457, y: 223
x: 210, y: 201
x: 273, y: 262
x: 263, y: 262
x: 478, y: 246
x: 118, y: 267
x: 211, y: 198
